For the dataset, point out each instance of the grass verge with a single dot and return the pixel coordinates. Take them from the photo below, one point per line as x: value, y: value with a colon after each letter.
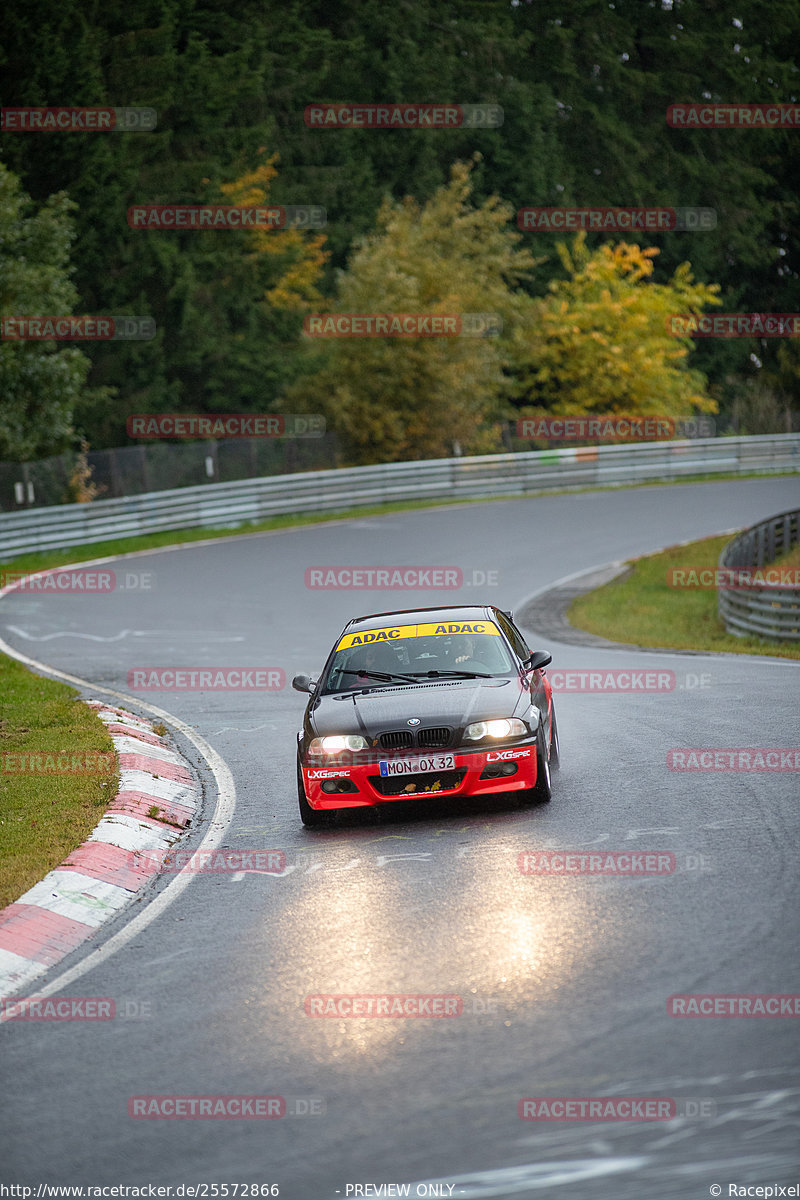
x: 791, y: 559
x: 43, y: 816
x: 640, y: 607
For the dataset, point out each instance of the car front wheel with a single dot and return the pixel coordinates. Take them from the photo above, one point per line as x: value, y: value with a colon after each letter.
x: 555, y: 756
x: 541, y: 791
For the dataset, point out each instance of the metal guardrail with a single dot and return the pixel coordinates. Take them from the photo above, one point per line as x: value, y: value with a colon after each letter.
x: 772, y: 611
x: 232, y: 505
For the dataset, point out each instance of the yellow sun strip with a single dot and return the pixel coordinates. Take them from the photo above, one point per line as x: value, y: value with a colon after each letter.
x: 366, y: 637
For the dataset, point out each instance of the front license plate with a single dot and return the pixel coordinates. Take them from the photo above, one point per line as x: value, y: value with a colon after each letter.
x: 418, y: 766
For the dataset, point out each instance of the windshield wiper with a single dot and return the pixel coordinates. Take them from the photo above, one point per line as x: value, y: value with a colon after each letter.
x: 385, y: 675
x: 452, y: 675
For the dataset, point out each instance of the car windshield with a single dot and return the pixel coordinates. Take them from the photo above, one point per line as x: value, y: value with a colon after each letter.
x: 404, y: 660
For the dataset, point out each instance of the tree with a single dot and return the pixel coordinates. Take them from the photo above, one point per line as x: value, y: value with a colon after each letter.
x: 584, y: 87
x: 411, y: 398
x: 614, y: 68
x: 40, y: 383
x: 298, y: 257
x: 599, y: 342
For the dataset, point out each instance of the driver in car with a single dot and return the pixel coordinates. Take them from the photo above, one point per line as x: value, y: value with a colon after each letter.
x: 467, y: 646
x: 376, y: 657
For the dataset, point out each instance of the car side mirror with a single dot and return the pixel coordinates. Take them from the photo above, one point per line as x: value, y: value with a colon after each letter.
x: 302, y: 683
x: 539, y: 659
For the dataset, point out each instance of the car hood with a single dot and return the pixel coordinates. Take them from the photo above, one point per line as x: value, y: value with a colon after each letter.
x: 452, y: 703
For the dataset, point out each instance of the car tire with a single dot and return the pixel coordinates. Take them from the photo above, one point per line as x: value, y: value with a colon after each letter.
x: 312, y: 818
x: 555, y: 753
x: 541, y: 792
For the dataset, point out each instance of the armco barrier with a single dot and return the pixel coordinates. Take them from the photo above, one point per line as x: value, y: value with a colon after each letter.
x: 231, y: 505
x: 768, y: 612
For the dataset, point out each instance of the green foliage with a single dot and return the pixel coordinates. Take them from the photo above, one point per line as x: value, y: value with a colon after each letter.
x: 614, y: 69
x: 410, y: 398
x: 39, y: 383
x: 599, y: 343
x: 584, y: 90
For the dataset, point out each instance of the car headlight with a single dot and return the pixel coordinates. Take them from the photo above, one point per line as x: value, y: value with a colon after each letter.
x: 335, y: 744
x: 510, y: 727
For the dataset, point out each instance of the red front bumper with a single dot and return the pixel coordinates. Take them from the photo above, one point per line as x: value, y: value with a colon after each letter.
x: 366, y: 787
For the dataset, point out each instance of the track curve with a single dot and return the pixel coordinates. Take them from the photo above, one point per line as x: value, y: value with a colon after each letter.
x: 565, y: 981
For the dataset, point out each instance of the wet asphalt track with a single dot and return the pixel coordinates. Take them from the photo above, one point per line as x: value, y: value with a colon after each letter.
x: 565, y: 981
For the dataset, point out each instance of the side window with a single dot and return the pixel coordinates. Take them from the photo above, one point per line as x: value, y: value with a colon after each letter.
x: 514, y: 636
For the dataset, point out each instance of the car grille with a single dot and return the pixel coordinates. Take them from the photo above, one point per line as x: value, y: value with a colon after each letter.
x: 434, y: 737
x: 403, y: 739
x: 411, y: 785
x: 397, y: 739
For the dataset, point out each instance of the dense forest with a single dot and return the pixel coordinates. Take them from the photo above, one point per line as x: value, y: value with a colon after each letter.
x: 419, y: 220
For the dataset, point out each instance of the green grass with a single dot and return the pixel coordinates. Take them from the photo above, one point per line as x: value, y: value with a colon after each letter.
x: 45, y: 816
x: 641, y: 608
x: 791, y: 559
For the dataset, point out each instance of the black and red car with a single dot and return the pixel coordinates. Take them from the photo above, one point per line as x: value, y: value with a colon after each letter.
x: 430, y: 700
